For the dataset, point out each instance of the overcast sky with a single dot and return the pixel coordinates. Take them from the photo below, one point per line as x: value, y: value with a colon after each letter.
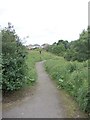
x: 45, y: 21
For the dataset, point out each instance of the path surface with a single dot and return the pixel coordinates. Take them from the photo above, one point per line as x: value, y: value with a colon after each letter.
x: 46, y: 101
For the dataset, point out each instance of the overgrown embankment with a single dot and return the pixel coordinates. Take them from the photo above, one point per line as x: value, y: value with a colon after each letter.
x: 71, y: 76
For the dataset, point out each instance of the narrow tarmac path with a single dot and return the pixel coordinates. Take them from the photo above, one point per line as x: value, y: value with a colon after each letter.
x: 45, y: 102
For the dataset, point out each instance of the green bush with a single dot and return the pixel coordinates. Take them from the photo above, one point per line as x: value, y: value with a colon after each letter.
x: 14, y: 68
x: 74, y: 50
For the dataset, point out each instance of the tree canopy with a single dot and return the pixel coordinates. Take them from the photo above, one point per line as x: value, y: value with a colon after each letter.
x: 74, y: 50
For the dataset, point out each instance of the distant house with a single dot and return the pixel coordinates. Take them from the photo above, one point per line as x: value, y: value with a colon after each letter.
x: 45, y: 46
x: 36, y: 46
x: 29, y: 46
x: 33, y: 46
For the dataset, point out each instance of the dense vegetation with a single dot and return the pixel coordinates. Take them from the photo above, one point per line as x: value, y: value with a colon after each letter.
x: 74, y: 50
x: 14, y: 54
x: 73, y: 77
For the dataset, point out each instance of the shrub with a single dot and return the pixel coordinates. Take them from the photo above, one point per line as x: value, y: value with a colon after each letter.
x: 13, y: 65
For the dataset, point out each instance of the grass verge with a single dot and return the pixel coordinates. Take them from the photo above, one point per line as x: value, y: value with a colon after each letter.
x: 71, y: 76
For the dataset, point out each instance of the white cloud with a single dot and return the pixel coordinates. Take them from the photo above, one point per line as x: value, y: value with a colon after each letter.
x: 45, y: 20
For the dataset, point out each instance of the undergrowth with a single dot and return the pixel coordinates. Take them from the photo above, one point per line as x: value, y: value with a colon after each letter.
x: 73, y: 77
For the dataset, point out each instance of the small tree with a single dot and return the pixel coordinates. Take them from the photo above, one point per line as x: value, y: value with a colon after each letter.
x: 14, y: 55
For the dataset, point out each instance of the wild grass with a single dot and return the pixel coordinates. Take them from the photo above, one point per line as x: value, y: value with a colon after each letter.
x: 71, y: 76
x: 33, y: 57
